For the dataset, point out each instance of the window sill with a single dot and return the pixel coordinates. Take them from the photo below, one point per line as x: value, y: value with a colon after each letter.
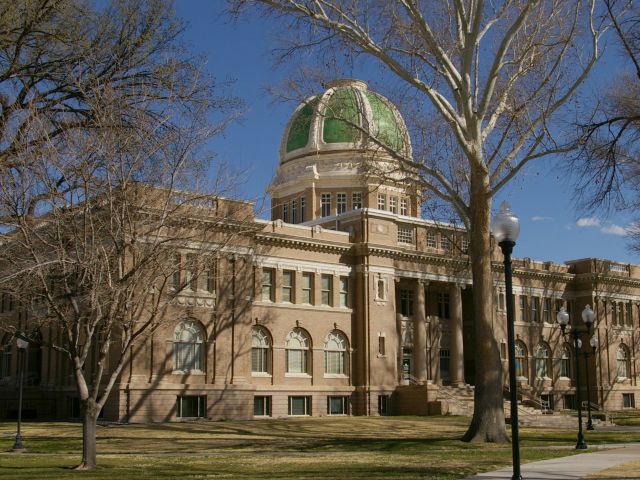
x: 335, y: 375
x: 297, y: 375
x: 187, y: 372
x: 261, y: 374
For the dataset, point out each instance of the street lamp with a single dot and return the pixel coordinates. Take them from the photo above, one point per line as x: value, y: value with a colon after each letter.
x: 563, y: 320
x: 506, y: 227
x: 22, y: 345
x: 594, y: 344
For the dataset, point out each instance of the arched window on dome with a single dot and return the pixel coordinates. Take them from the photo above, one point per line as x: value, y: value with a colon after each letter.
x: 542, y: 361
x: 188, y: 347
x: 622, y: 362
x: 565, y: 362
x: 260, y: 350
x: 297, y: 345
x: 521, y: 359
x: 335, y: 353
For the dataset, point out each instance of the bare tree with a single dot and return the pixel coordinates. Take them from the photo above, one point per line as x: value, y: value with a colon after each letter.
x: 608, y: 144
x: 495, y: 75
x: 103, y: 119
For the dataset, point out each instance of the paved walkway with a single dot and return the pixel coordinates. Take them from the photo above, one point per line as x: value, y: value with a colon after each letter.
x: 572, y: 467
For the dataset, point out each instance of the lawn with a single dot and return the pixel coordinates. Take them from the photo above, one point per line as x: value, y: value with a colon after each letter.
x: 318, y: 448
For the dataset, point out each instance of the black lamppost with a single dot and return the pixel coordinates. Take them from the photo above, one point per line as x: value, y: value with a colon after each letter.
x: 506, y: 227
x: 594, y: 344
x: 22, y: 355
x: 563, y: 320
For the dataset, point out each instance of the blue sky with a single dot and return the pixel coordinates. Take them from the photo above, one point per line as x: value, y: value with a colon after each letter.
x: 551, y: 227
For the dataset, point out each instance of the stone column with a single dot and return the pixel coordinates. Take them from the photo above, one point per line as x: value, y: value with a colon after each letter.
x: 457, y: 351
x: 420, y: 334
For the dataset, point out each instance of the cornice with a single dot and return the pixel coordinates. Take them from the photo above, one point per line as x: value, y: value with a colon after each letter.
x: 599, y: 278
x: 300, y: 243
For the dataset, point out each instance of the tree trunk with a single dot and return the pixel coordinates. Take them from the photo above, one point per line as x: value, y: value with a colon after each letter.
x: 89, y: 418
x: 488, y: 423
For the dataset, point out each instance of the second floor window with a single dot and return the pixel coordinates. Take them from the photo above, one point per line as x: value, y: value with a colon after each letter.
x: 404, y: 207
x: 382, y: 201
x: 344, y: 292
x: 406, y: 302
x: 287, y: 286
x: 393, y: 204
x: 325, y: 204
x: 327, y: 290
x: 341, y: 203
x: 356, y: 200
x: 267, y: 285
x: 307, y: 288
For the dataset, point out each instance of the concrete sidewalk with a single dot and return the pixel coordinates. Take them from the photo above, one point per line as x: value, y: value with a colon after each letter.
x: 572, y: 467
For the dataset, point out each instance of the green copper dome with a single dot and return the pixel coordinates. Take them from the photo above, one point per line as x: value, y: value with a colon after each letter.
x: 346, y: 116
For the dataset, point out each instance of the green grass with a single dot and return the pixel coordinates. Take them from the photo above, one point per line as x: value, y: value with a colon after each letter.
x: 626, y: 417
x: 317, y: 448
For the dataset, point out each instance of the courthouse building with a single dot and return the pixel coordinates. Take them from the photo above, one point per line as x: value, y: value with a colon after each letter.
x: 349, y: 303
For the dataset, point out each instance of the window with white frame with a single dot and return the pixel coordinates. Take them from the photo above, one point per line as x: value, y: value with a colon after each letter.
x: 628, y: 400
x: 307, y: 288
x: 344, y: 292
x: 431, y: 240
x: 191, y: 406
x: 297, y: 345
x: 393, y: 204
x: 299, y: 406
x: 337, y: 405
x: 341, y: 203
x: 382, y: 201
x: 326, y: 290
x: 288, y: 285
x: 268, y: 286
x: 404, y: 207
x: 405, y: 234
x: 542, y: 361
x: 261, y: 406
x: 335, y: 353
x: 565, y: 362
x: 325, y: 204
x: 188, y: 347
x: 521, y: 359
x: 356, y: 200
x: 622, y: 361
x: 260, y: 350
x: 445, y: 243
x: 501, y: 298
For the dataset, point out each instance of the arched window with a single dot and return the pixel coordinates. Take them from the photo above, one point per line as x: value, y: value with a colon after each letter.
x: 542, y: 361
x: 521, y: 360
x: 335, y: 353
x: 260, y: 346
x: 188, y: 347
x: 5, y: 360
x: 565, y: 362
x: 297, y: 347
x: 622, y: 361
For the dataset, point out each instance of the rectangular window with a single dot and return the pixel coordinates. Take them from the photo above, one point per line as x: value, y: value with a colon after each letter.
x: 174, y: 282
x: 628, y: 400
x: 209, y: 278
x: 344, y: 292
x: 431, y: 240
x: 501, y: 305
x: 406, y: 302
x: 191, y: 406
x: 503, y: 351
x: 302, y: 208
x: 285, y: 212
x: 296, y: 360
x: 262, y: 406
x: 294, y: 211
x: 443, y: 305
x: 383, y: 405
x: 307, y: 288
x: 326, y: 287
x: 523, y: 308
x: 191, y: 272
x: 334, y: 362
x: 299, y: 405
x: 382, y: 201
x: 535, y: 309
x: 287, y: 286
x: 465, y: 245
x: 382, y: 348
x: 393, y: 204
x: 259, y: 359
x: 341, y: 203
x: 404, y: 207
x: 629, y: 314
x: 337, y: 405
x: 268, y: 275
x: 405, y: 234
x: 356, y: 201
x: 569, y: 402
x: 325, y: 205
x: 445, y: 244
x: 546, y: 310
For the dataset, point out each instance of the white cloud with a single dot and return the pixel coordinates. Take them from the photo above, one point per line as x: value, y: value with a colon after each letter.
x: 588, y: 222
x: 613, y: 229
x: 539, y: 218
